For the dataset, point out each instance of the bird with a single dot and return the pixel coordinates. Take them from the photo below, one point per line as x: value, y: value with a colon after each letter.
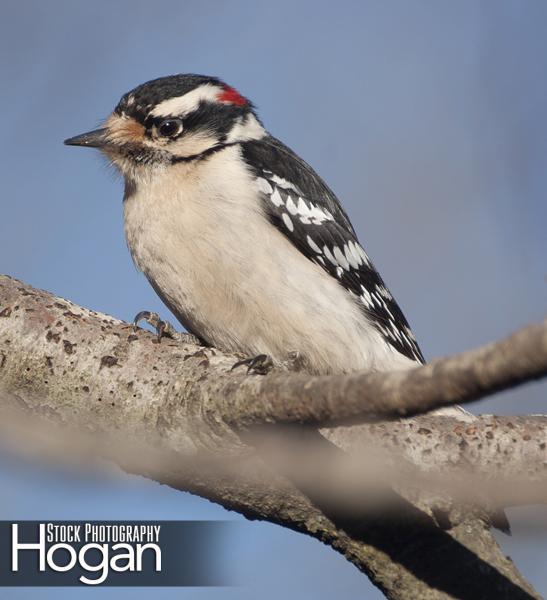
x: 240, y: 238
x: 243, y: 241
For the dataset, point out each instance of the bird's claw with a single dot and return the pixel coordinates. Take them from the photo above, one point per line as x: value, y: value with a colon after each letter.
x: 163, y: 328
x: 260, y: 364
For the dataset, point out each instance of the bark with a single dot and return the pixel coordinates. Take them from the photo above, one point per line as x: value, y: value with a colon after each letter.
x: 90, y: 373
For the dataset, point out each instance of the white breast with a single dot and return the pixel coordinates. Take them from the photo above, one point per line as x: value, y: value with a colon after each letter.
x: 198, y: 233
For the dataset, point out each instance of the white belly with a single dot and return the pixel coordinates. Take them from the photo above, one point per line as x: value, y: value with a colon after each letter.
x: 235, y: 281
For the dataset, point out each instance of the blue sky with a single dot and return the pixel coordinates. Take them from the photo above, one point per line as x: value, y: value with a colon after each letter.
x: 426, y: 117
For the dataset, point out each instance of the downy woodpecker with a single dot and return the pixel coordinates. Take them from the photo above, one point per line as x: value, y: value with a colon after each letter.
x: 240, y: 238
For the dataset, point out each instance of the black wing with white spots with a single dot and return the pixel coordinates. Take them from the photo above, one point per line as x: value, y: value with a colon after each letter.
x: 306, y: 211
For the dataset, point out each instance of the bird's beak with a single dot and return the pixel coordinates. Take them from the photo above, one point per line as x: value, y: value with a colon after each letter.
x: 91, y: 139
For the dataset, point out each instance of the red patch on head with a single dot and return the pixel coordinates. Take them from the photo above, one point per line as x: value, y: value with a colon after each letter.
x: 231, y: 96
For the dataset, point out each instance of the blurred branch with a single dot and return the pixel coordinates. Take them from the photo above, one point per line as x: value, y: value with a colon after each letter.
x: 88, y: 372
x: 492, y: 461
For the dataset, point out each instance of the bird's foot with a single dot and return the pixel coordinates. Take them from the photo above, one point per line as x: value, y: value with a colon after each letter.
x: 163, y: 328
x: 260, y: 364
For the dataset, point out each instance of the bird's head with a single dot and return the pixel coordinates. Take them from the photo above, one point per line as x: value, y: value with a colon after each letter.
x: 170, y: 120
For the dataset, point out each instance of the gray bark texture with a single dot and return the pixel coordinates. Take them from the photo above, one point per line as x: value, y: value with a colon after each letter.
x: 177, y: 413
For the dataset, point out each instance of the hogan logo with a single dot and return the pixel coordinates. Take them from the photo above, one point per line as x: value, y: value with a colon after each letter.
x: 95, y: 549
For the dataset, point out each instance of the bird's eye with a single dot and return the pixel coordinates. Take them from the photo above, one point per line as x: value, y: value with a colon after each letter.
x: 170, y: 127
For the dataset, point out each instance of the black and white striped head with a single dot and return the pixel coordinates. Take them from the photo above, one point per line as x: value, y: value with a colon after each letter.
x: 173, y: 119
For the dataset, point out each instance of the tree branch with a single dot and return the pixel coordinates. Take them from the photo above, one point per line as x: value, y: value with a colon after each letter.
x: 342, y: 399
x: 89, y: 372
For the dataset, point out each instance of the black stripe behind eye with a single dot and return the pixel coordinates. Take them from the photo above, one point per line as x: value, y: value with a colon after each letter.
x: 215, y: 118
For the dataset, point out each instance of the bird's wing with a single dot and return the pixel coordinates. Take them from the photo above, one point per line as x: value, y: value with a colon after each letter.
x: 306, y: 211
